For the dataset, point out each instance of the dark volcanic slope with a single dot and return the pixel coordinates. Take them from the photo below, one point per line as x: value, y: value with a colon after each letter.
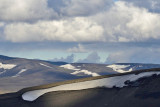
x: 144, y: 92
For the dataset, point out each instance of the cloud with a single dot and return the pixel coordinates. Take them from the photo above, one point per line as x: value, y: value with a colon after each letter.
x: 2, y: 24
x: 85, y: 7
x: 68, y: 59
x: 122, y: 23
x: 25, y: 10
x: 91, y: 58
x: 151, y: 5
x: 135, y: 55
x: 126, y: 23
x: 77, y: 29
x: 79, y: 49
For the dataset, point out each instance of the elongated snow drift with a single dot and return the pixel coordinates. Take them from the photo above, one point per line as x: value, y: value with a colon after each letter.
x: 118, y: 81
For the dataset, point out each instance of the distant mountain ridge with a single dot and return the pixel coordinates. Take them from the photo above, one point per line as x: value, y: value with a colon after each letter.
x: 17, y: 73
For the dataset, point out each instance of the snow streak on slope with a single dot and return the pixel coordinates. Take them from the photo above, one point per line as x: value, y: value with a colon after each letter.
x: 2, y: 72
x: 119, y: 68
x: 20, y: 72
x: 118, y: 81
x: 69, y: 66
x: 45, y: 65
x: 85, y: 72
x: 7, y: 66
x: 77, y: 71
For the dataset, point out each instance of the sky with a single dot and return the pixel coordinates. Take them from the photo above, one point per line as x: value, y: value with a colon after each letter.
x: 89, y: 31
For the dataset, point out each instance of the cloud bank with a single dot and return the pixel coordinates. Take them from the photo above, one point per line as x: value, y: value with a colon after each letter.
x: 73, y: 24
x: 144, y: 55
x: 123, y: 22
x: 25, y: 10
x: 91, y: 58
x: 79, y: 49
x: 68, y: 59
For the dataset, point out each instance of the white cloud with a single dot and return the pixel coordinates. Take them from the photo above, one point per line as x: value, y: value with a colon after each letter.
x: 122, y: 23
x: 2, y: 24
x: 79, y: 49
x: 25, y: 10
x: 69, y: 59
x: 77, y: 29
x: 125, y: 22
x: 135, y: 55
x: 91, y: 58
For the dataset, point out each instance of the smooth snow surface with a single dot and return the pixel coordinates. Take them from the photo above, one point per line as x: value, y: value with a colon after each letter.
x: 77, y: 71
x: 119, y: 68
x: 69, y: 66
x: 118, y: 81
x: 86, y: 72
x: 45, y: 65
x: 20, y: 72
x: 7, y: 66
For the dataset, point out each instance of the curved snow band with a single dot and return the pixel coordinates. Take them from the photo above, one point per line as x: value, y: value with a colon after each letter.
x: 109, y: 82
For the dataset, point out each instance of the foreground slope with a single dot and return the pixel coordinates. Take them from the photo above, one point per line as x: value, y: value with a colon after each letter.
x: 141, y: 92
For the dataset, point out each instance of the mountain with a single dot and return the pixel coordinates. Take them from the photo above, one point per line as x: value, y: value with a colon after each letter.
x: 133, y: 89
x: 128, y: 67
x: 18, y: 73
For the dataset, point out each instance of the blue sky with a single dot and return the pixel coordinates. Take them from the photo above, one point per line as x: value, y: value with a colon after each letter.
x: 93, y: 31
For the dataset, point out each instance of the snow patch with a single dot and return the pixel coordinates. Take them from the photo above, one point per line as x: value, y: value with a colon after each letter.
x: 7, y: 66
x: 20, y: 72
x: 119, y: 68
x: 45, y: 65
x: 118, y: 81
x: 69, y: 66
x: 2, y: 72
x: 85, y: 72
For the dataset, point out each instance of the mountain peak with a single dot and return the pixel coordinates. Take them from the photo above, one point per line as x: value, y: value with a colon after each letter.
x: 2, y: 57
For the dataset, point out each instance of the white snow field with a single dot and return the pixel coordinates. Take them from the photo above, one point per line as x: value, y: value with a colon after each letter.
x: 118, y: 81
x: 86, y: 72
x: 45, y: 65
x: 20, y: 72
x: 77, y: 71
x: 7, y: 66
x: 119, y: 68
x: 69, y: 66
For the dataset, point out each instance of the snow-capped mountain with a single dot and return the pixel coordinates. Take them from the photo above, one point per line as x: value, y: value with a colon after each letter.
x: 128, y: 67
x: 18, y: 73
